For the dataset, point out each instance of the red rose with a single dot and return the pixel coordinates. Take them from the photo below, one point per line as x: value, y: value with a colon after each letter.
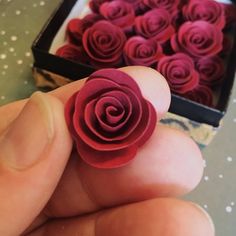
x: 207, y: 10
x: 155, y: 24
x: 119, y: 13
x: 104, y: 43
x: 169, y: 5
x: 138, y: 5
x: 198, y: 38
x: 76, y: 27
x: 228, y: 43
x: 109, y: 119
x: 211, y: 70
x: 230, y: 13
x: 141, y: 51
x: 179, y: 72
x: 72, y: 52
x: 95, y: 4
x: 202, y: 94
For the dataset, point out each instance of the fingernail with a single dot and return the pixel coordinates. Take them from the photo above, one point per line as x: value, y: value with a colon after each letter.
x: 206, y: 215
x: 29, y: 136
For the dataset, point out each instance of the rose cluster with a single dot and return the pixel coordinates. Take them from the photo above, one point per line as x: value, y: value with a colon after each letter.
x: 185, y: 40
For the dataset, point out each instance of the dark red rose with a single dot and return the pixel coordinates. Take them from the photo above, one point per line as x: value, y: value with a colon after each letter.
x: 211, y: 70
x: 202, y: 94
x: 207, y: 10
x: 109, y: 119
x: 230, y: 13
x: 119, y: 13
x: 76, y: 27
x: 95, y: 4
x: 169, y: 5
x: 72, y: 52
x: 141, y: 51
x: 228, y: 44
x: 198, y: 38
x: 179, y: 72
x: 155, y: 24
x: 104, y: 43
x: 138, y: 5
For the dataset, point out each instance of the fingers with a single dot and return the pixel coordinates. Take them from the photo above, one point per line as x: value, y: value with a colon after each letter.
x: 153, y: 85
x: 34, y: 152
x: 159, y: 217
x: 169, y: 164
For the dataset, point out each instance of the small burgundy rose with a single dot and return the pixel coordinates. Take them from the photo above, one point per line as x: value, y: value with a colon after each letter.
x: 109, y: 119
x: 95, y: 4
x: 76, y: 27
x: 198, y: 39
x: 230, y: 14
x: 141, y: 51
x: 211, y: 70
x: 179, y: 72
x: 228, y: 43
x: 169, y: 5
x: 104, y: 43
x: 207, y: 10
x: 72, y: 52
x: 138, y: 5
x: 119, y: 13
x: 155, y: 24
x: 202, y: 94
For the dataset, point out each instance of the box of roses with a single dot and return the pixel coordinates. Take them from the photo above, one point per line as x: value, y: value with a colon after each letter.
x: 190, y: 42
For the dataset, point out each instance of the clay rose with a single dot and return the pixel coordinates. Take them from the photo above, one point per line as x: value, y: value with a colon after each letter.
x: 155, y: 24
x: 95, y: 4
x: 179, y: 72
x: 72, y: 52
x: 207, y: 10
x: 76, y: 27
x: 169, y: 5
x: 141, y: 51
x: 109, y: 119
x: 202, y: 94
x: 198, y: 38
x: 119, y: 13
x: 211, y: 70
x: 104, y: 43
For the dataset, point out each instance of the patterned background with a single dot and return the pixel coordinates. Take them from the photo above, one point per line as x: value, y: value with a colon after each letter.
x: 20, y: 22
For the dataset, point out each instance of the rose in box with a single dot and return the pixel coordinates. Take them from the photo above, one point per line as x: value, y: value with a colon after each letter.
x: 191, y: 34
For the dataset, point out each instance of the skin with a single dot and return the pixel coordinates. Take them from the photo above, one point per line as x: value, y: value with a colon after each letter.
x: 47, y: 190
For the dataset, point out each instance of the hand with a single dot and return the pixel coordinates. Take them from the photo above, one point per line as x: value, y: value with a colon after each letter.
x: 46, y: 190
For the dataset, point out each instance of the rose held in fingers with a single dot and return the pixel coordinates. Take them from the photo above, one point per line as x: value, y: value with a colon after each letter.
x: 109, y: 119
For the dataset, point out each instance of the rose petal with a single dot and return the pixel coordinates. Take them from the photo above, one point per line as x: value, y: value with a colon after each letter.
x: 155, y: 24
x: 140, y: 51
x: 72, y: 52
x: 206, y: 10
x: 103, y: 159
x: 119, y: 13
x: 179, y: 72
x: 198, y: 39
x: 104, y: 42
x: 169, y: 5
x: 211, y: 70
x: 202, y: 94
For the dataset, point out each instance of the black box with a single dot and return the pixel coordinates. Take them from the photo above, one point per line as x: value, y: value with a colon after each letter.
x: 46, y: 61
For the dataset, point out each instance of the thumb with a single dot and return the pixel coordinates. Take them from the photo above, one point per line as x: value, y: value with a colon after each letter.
x: 33, y: 154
